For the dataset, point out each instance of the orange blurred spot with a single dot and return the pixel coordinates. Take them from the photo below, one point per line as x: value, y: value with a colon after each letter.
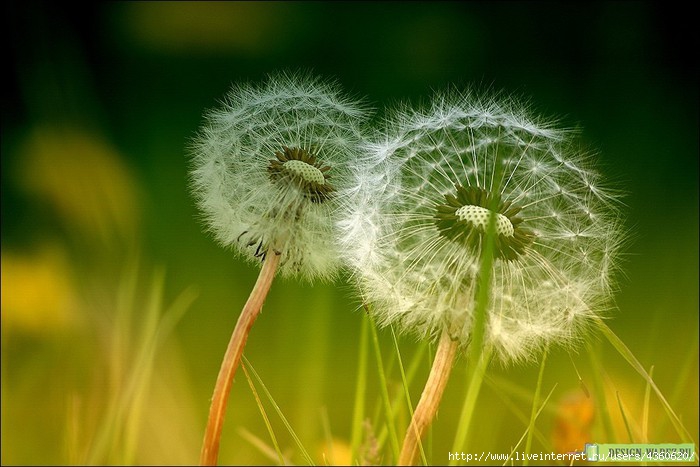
x: 573, y: 422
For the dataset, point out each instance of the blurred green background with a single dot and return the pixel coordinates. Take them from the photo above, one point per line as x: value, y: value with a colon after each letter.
x: 100, y: 235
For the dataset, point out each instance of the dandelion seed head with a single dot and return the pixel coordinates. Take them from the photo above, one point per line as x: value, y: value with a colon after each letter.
x: 435, y: 178
x: 266, y: 167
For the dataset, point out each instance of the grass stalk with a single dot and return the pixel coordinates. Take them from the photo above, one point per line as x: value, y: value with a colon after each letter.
x: 536, y: 416
x: 266, y: 419
x: 358, y: 414
x: 623, y: 412
x: 627, y: 354
x: 600, y: 398
x: 407, y: 394
x: 533, y: 414
x: 292, y: 433
x: 476, y: 379
x: 386, y: 401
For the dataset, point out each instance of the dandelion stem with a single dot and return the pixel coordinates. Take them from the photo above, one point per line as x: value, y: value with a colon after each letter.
x: 232, y: 358
x: 430, y: 398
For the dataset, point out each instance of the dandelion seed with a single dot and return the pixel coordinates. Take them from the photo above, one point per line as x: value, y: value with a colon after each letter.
x: 266, y: 167
x: 435, y: 181
x: 261, y: 175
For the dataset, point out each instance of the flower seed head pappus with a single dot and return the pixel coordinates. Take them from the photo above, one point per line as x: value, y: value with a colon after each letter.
x: 432, y: 182
x: 266, y: 167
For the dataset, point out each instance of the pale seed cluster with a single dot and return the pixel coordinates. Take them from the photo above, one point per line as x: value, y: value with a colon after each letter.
x: 285, y: 167
x: 267, y: 167
x: 416, y: 222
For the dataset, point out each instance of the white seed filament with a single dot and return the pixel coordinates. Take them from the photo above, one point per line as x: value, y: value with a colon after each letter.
x: 479, y: 217
x: 306, y: 171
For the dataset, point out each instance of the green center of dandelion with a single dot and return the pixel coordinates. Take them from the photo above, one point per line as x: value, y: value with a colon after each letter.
x: 299, y: 167
x: 306, y: 171
x: 480, y: 217
x: 465, y: 215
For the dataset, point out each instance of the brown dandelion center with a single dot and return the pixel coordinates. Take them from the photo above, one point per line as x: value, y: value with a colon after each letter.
x: 300, y: 167
x: 464, y: 218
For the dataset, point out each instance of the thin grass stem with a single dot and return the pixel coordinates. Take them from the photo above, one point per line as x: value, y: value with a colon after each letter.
x: 358, y: 416
x: 535, y: 402
x: 268, y: 425
x: 386, y: 401
x: 304, y: 452
x: 627, y: 354
x: 479, y: 354
x: 600, y: 397
x: 623, y: 412
x: 406, y: 392
x: 539, y: 411
x: 645, y: 413
x: 212, y: 436
x: 476, y: 379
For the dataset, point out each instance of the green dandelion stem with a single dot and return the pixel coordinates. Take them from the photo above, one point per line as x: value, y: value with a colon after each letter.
x: 479, y: 354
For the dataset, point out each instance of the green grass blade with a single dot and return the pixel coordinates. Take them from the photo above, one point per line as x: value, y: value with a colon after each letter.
x: 117, y: 436
x: 533, y: 413
x: 260, y: 445
x: 624, y: 417
x: 358, y: 414
x: 406, y: 392
x: 602, y: 406
x: 645, y: 413
x: 328, y: 436
x: 683, y: 374
x: 514, y: 408
x: 398, y: 399
x: 627, y: 354
x: 152, y: 339
x: 544, y: 403
x: 293, y: 434
x: 393, y: 438
x: 475, y: 383
x: 280, y: 457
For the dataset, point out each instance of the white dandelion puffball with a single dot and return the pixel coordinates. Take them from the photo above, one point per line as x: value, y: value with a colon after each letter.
x: 267, y: 168
x: 420, y: 208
